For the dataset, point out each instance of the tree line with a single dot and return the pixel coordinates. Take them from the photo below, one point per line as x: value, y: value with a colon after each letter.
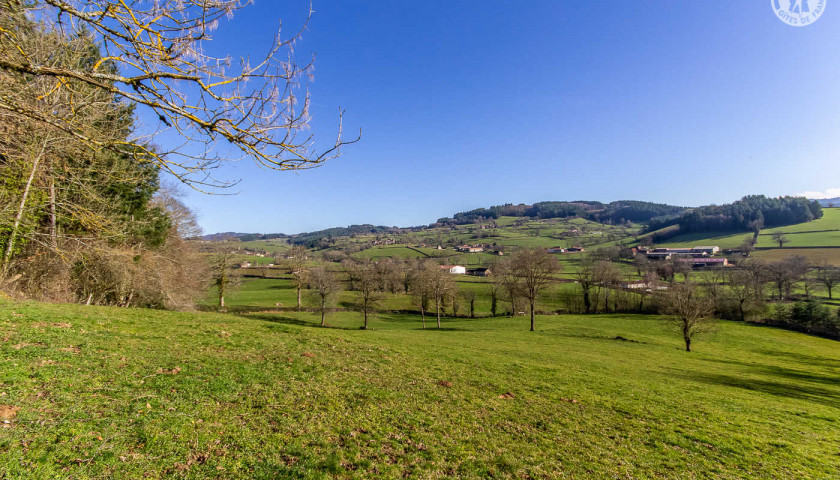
x: 755, y: 291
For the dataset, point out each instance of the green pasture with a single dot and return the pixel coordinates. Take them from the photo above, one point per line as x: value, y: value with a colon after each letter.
x: 94, y: 392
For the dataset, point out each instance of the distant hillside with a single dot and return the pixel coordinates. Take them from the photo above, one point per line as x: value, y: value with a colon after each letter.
x: 830, y: 202
x: 245, y: 237
x: 613, y: 213
x: 751, y: 213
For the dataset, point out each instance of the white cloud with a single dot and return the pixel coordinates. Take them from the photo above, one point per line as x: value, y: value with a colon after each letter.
x: 830, y: 193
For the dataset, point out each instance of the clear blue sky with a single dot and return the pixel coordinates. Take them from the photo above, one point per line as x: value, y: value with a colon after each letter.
x: 466, y: 104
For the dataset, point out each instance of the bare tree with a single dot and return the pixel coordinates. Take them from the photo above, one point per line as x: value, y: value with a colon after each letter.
x: 440, y: 287
x: 786, y: 273
x: 367, y: 282
x: 747, y: 246
x: 586, y: 280
x: 296, y: 266
x: 780, y: 238
x: 607, y: 275
x: 507, y: 280
x: 154, y: 57
x: 535, y: 268
x: 829, y: 277
x: 741, y: 288
x: 324, y: 286
x: 422, y: 286
x: 688, y: 311
x: 223, y: 278
x: 470, y: 296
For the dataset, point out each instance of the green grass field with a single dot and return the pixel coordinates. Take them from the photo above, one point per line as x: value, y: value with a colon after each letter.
x: 93, y: 392
x: 824, y: 232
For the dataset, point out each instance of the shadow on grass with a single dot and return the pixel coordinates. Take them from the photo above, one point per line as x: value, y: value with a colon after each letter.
x: 275, y: 318
x: 802, y: 358
x: 822, y: 396
x: 784, y: 372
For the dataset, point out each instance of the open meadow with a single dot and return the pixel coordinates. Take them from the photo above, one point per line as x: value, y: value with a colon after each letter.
x: 95, y: 392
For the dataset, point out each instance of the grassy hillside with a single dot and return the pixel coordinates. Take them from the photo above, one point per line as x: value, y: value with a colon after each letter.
x: 818, y: 240
x: 102, y: 393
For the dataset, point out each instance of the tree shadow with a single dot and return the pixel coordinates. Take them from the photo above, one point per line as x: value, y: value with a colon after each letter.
x: 784, y: 372
x: 822, y: 396
x: 274, y: 318
x: 802, y: 358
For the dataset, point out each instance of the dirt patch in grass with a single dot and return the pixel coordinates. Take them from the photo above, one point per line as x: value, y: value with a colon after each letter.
x: 8, y: 412
x: 24, y: 345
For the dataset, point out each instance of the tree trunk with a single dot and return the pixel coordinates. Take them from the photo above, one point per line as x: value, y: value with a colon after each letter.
x: 366, y: 315
x: 493, y: 303
x: 472, y: 308
x: 423, y: 314
x: 323, y: 310
x: 298, y: 296
x: 437, y: 307
x: 687, y: 343
x: 587, y: 302
x: 53, y: 222
x: 7, y: 256
x: 532, y: 316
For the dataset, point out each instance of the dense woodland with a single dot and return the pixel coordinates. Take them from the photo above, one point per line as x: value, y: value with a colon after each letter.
x: 612, y: 213
x: 751, y: 213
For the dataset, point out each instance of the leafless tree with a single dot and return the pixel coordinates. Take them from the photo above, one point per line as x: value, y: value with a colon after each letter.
x: 586, y: 280
x: 688, y: 310
x: 780, y: 238
x: 829, y: 277
x: 747, y: 246
x: 535, y: 268
x: 440, y: 287
x: 367, y: 282
x: 155, y: 57
x: 786, y: 273
x: 421, y: 289
x: 741, y: 288
x: 223, y: 277
x: 607, y: 275
x: 507, y: 280
x: 324, y: 285
x: 295, y: 262
x: 470, y: 296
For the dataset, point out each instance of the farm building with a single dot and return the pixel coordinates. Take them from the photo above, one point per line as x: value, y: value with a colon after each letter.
x: 556, y: 250
x: 454, y: 269
x: 707, y: 262
x: 479, y: 272
x: 709, y: 250
x: 575, y: 249
x: 470, y: 248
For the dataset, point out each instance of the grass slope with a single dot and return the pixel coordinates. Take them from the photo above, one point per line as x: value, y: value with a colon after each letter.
x: 120, y: 393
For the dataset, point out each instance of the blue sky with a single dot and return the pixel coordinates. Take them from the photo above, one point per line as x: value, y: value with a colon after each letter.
x: 466, y: 104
